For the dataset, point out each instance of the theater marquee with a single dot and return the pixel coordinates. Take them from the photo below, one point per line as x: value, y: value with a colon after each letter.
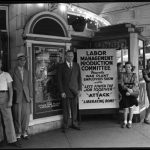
x: 99, y: 78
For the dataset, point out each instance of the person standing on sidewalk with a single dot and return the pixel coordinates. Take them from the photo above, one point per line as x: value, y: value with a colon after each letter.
x: 69, y: 85
x: 130, y: 90
x: 146, y: 76
x: 6, y: 94
x: 22, y: 97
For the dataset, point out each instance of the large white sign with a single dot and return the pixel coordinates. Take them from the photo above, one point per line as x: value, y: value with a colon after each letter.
x: 99, y: 78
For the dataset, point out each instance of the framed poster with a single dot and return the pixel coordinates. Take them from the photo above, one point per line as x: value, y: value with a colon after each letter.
x: 45, y: 61
x: 99, y: 78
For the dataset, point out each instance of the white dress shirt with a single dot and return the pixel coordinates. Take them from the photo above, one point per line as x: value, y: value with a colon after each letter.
x: 21, y: 71
x: 4, y: 79
x: 69, y: 64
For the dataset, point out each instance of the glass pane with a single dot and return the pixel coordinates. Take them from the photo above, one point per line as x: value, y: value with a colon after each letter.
x: 48, y: 26
x: 141, y: 54
x: 122, y: 55
x: 118, y: 52
x: 4, y: 49
x: 147, y: 53
x: 125, y: 55
x: 45, y: 83
x: 2, y: 19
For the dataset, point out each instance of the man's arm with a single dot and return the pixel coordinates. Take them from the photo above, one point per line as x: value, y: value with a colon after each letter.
x: 145, y: 76
x: 30, y: 87
x: 10, y: 90
x: 79, y: 79
x: 59, y: 79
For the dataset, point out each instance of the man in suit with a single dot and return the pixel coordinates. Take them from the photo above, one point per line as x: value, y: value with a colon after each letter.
x: 70, y: 86
x: 22, y: 97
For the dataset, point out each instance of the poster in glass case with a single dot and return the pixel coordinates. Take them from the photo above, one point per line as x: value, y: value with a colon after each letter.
x: 46, y: 97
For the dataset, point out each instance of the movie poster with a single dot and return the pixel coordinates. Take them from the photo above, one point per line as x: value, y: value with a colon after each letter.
x: 46, y: 60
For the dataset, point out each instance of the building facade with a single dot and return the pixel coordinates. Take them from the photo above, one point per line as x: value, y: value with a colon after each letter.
x: 44, y: 32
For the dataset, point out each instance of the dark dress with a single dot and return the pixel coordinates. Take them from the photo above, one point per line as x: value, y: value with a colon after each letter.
x: 119, y: 81
x: 119, y: 84
x: 128, y: 81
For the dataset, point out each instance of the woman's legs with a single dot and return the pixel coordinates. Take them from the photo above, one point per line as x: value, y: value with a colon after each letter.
x: 125, y: 115
x: 129, y: 125
x: 130, y: 114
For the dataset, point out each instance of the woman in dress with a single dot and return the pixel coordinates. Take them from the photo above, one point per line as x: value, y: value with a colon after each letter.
x: 146, y: 75
x: 129, y: 86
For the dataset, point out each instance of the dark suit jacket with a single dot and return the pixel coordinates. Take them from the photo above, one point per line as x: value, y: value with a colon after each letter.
x: 19, y: 86
x: 69, y: 80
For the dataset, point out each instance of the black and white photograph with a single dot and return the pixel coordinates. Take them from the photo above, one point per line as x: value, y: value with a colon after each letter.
x: 74, y: 74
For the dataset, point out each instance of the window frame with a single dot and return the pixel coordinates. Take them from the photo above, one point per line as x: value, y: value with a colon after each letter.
x: 6, y: 9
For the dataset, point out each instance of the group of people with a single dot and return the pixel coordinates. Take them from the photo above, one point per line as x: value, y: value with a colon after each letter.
x: 15, y: 98
x: 129, y: 91
x: 16, y: 95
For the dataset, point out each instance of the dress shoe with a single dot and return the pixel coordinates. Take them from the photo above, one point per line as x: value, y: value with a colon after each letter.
x: 64, y: 130
x: 2, y: 143
x: 25, y: 136
x: 18, y: 136
x: 146, y: 121
x: 129, y: 125
x: 123, y: 125
x: 19, y: 139
x: 76, y: 127
x: 16, y: 144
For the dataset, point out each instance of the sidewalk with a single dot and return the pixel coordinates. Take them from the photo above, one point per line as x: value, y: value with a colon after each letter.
x: 98, y: 132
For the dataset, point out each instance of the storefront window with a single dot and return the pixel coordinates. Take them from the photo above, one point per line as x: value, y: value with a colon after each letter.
x: 45, y: 63
x: 122, y: 55
x: 120, y: 44
x: 3, y: 19
x: 147, y: 52
x: 4, y: 52
x: 48, y: 26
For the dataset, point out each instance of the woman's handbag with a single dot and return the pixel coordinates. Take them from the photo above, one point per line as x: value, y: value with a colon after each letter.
x: 135, y: 94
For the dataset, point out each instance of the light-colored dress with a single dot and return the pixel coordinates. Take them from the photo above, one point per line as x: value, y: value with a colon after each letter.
x: 146, y: 75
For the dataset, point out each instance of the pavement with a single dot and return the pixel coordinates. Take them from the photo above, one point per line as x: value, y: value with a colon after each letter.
x: 102, y: 131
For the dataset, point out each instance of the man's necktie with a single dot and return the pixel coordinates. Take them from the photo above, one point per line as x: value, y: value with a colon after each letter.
x: 70, y: 66
x: 21, y: 70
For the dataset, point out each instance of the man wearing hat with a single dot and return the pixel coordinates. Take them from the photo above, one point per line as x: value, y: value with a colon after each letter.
x: 22, y: 97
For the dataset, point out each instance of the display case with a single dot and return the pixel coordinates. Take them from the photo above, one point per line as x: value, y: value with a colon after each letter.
x: 45, y: 61
x: 129, y: 45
